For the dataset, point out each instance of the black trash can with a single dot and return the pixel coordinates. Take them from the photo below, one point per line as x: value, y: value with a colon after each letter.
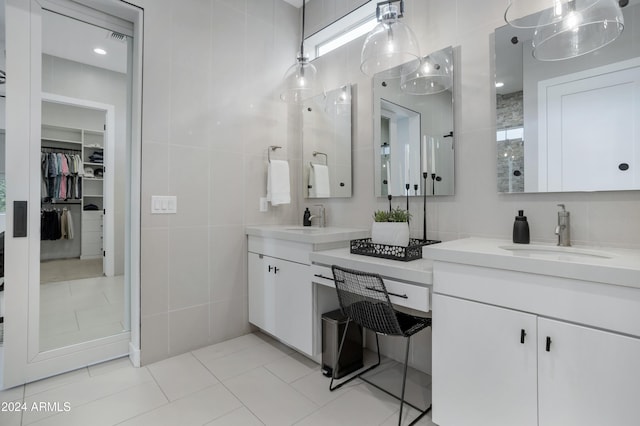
x: 333, y: 324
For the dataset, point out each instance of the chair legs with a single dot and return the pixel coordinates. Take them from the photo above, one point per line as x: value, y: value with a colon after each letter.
x: 337, y: 360
x: 358, y: 374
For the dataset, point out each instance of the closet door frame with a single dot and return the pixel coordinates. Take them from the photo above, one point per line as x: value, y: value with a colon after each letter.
x: 21, y: 361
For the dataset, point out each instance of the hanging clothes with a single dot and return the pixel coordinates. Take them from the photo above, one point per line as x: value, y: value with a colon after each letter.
x: 61, y: 176
x: 56, y: 225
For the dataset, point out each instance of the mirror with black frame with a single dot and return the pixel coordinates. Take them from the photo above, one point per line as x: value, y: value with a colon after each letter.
x: 569, y: 125
x: 413, y: 129
x: 326, y: 148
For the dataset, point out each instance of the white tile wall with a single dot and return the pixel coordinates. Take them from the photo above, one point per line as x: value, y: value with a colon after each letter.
x: 210, y: 110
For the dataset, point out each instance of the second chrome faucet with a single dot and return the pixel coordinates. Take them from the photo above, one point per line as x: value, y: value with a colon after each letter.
x: 563, y: 230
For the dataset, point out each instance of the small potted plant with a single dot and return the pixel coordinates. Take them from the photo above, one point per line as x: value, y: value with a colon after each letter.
x: 391, y: 227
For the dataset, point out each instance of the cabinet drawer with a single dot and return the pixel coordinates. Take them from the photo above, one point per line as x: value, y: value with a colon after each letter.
x: 92, y: 226
x: 281, y: 249
x: 409, y: 295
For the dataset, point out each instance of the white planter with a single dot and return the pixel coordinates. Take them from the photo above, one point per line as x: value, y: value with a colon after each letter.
x: 392, y: 233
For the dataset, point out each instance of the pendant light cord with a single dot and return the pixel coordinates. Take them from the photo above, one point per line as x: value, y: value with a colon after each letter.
x: 302, y: 38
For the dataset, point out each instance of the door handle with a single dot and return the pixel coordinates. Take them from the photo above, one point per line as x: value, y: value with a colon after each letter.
x: 548, y: 348
x: 19, y: 219
x: 522, y: 335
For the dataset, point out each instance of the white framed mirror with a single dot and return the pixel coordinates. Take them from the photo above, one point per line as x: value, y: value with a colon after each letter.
x: 414, y: 134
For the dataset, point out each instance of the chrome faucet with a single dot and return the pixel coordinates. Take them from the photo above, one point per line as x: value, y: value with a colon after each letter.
x: 322, y: 220
x: 562, y: 230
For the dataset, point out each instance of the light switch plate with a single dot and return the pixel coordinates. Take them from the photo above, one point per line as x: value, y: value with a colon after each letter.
x: 263, y: 204
x: 164, y: 204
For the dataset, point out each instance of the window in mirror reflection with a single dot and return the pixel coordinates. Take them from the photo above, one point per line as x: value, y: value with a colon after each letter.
x: 326, y: 147
x: 413, y: 135
x: 569, y: 125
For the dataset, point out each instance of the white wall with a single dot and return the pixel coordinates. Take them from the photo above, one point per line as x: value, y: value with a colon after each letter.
x: 212, y: 70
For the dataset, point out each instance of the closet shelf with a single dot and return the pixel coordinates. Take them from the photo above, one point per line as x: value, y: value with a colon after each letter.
x: 100, y: 179
x: 61, y: 141
x: 93, y: 195
x: 93, y: 164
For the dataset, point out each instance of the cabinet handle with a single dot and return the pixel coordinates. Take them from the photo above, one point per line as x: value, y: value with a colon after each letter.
x: 404, y: 296
x: 548, y: 349
x: 275, y: 269
x: 522, y: 335
x: 322, y: 276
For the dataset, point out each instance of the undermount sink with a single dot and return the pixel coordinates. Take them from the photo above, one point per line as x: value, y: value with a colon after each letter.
x: 556, y: 252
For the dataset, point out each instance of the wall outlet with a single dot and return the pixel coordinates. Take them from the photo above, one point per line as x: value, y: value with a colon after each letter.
x: 164, y: 204
x: 264, y: 206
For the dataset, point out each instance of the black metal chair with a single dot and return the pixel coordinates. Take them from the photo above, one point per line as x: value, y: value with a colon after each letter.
x: 364, y: 299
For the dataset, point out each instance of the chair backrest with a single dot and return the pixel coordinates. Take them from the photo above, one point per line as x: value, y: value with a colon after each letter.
x: 364, y: 299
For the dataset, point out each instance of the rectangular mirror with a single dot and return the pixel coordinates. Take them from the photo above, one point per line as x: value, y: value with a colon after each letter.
x: 414, y: 133
x: 570, y: 125
x: 326, y: 147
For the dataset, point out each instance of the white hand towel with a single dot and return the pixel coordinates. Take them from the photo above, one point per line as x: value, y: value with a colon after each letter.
x: 319, y: 181
x: 278, y: 185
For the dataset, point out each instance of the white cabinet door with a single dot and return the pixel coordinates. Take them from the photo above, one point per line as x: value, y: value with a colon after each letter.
x: 482, y: 373
x: 280, y: 300
x: 261, y: 294
x: 293, y: 301
x: 587, y: 377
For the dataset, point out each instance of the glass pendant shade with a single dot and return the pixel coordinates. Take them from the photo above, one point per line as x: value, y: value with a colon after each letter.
x: 574, y: 28
x: 300, y: 82
x: 389, y: 45
x: 433, y: 75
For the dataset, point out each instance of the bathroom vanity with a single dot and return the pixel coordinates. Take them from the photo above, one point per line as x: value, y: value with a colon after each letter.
x: 282, y: 298
x: 535, y: 335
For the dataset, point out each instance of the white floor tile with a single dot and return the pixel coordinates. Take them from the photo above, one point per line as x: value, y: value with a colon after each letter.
x: 292, y: 367
x: 181, y: 375
x: 56, y: 381
x: 10, y: 418
x: 315, y: 386
x: 408, y: 415
x: 195, y: 409
x: 228, y: 347
x: 268, y: 398
x: 243, y: 361
x: 109, y: 366
x: 87, y: 390
x: 239, y: 417
x: 111, y: 410
x: 13, y: 394
x: 363, y: 405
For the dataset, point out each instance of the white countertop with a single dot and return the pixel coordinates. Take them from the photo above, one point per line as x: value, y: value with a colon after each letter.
x: 307, y: 234
x: 417, y: 271
x: 616, y: 266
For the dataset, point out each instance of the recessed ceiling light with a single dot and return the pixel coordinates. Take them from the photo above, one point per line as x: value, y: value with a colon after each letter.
x: 499, y: 84
x: 100, y: 51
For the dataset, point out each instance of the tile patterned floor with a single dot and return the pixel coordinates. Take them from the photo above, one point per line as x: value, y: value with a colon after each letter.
x: 251, y: 380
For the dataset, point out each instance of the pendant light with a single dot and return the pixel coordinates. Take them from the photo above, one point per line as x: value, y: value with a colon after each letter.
x: 390, y: 44
x: 433, y: 75
x: 301, y: 79
x: 568, y: 28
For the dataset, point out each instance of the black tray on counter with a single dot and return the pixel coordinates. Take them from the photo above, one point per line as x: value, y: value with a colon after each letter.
x: 413, y: 251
